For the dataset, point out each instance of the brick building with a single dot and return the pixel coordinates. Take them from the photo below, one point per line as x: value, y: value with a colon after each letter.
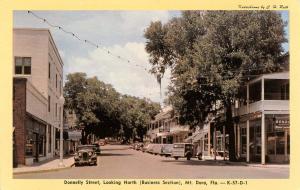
x: 37, y: 95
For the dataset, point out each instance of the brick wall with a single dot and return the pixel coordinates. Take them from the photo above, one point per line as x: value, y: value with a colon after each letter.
x: 19, y: 116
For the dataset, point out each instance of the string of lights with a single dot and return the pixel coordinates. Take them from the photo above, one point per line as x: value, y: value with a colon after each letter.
x: 96, y: 45
x: 132, y: 63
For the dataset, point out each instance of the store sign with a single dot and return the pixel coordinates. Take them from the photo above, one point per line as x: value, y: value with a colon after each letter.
x: 282, y: 122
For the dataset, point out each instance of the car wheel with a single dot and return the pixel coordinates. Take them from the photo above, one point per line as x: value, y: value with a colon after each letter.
x: 76, y: 165
x: 176, y: 158
x: 188, y: 158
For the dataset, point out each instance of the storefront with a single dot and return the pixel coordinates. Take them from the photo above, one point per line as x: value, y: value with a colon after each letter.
x: 278, y: 137
x: 268, y: 134
x: 263, y: 133
x: 35, y: 141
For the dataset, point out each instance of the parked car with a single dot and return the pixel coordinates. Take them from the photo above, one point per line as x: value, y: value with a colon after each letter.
x: 85, y: 154
x: 150, y: 148
x: 97, y: 149
x: 166, y: 150
x: 157, y: 149
x: 145, y: 147
x: 182, y: 150
x: 139, y: 146
x: 102, y: 142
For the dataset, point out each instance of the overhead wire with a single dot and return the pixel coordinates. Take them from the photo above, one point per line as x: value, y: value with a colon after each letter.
x: 96, y: 45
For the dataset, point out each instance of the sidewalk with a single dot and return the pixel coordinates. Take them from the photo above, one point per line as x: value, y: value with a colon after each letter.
x: 220, y: 161
x: 47, y: 165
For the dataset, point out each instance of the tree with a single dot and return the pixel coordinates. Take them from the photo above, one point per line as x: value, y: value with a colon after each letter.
x: 101, y: 110
x: 210, y: 55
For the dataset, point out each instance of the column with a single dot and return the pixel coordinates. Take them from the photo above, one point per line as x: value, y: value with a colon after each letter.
x: 224, y: 142
x: 248, y: 141
x: 263, y: 140
x: 262, y: 89
x: 285, y: 145
x: 238, y: 141
x: 47, y: 140
x: 52, y: 141
x: 208, y: 139
x: 214, y: 144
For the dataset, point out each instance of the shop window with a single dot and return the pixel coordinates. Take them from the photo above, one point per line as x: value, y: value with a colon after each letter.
x: 29, y: 143
x: 23, y: 65
x: 276, y: 135
x: 288, y: 144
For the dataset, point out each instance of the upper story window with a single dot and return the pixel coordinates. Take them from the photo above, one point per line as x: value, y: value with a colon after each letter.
x: 277, y: 89
x: 49, y: 103
x: 49, y: 70
x: 255, y: 92
x: 23, y: 65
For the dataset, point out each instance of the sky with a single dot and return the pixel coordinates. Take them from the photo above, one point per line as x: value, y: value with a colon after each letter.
x: 120, y: 32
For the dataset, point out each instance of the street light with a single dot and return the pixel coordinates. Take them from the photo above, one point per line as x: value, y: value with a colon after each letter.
x: 61, y: 164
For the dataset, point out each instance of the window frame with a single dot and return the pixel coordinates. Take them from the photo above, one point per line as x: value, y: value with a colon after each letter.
x: 23, y: 65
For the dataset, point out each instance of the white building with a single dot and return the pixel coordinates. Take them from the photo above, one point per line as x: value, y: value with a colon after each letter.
x: 166, y: 129
x: 263, y: 129
x: 38, y: 64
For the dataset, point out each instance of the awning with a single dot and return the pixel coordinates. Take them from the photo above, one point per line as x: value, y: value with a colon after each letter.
x: 74, y: 135
x: 198, y: 136
x: 189, y: 139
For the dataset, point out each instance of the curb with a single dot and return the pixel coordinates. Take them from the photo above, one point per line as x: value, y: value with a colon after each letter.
x: 43, y: 170
x: 268, y: 166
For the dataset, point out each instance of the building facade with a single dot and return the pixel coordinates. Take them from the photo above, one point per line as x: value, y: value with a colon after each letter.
x: 165, y: 128
x: 263, y: 124
x: 37, y: 95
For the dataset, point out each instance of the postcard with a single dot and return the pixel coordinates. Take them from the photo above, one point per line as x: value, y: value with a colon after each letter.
x: 148, y: 94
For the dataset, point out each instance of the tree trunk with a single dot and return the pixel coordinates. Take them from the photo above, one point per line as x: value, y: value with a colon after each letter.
x: 83, y: 137
x: 230, y: 128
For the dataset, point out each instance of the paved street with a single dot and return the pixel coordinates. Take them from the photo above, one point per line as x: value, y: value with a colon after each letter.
x: 118, y: 161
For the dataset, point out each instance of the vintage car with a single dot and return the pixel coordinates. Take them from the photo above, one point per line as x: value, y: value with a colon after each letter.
x: 166, y: 150
x: 85, y: 154
x: 97, y: 149
x: 182, y: 150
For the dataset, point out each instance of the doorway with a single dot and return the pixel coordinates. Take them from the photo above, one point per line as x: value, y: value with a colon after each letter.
x: 255, y: 142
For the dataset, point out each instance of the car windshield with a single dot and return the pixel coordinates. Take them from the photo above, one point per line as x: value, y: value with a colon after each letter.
x: 85, y: 148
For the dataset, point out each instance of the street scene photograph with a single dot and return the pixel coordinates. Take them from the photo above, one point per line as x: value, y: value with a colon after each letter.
x: 194, y: 94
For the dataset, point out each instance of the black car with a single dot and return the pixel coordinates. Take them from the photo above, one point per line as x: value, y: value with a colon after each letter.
x: 97, y: 149
x: 85, y: 154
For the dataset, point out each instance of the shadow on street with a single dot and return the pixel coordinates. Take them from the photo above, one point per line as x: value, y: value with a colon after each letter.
x: 205, y: 162
x: 114, y: 154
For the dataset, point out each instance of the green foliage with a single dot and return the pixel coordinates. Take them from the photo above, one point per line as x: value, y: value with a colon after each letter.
x: 211, y: 54
x: 105, y: 112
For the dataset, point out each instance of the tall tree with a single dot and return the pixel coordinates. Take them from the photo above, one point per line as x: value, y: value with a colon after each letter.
x: 210, y: 55
x: 102, y: 111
